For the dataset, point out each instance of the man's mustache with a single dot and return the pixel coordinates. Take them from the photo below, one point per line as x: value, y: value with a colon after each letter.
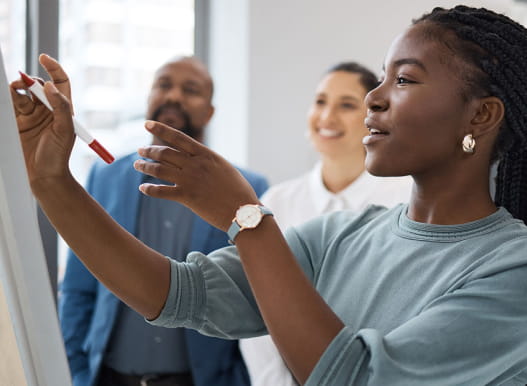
x: 171, y: 106
x: 187, y: 128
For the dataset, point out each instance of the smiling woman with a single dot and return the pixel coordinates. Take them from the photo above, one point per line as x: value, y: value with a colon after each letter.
x: 425, y: 140
x: 430, y: 293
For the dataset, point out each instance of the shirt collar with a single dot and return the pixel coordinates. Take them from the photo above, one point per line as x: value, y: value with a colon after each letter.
x: 326, y: 201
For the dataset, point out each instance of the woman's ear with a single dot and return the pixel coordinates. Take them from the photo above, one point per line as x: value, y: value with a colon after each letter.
x: 488, y: 116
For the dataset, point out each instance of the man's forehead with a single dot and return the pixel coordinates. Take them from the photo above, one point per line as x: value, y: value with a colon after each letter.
x: 185, y: 68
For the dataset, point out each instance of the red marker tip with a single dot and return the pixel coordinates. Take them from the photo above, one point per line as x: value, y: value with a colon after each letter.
x: 101, y: 151
x: 27, y: 80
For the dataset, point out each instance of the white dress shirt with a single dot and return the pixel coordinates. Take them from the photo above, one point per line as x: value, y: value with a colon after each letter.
x: 294, y: 202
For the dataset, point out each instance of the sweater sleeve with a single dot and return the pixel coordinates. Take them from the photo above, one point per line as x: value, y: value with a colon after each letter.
x: 212, y: 295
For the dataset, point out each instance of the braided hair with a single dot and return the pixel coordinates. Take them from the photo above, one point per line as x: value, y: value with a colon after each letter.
x: 493, y: 48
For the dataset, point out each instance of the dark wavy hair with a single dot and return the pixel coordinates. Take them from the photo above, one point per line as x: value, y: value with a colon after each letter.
x: 368, y: 79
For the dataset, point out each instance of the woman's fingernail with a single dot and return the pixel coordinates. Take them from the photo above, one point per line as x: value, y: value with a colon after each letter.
x: 149, y: 124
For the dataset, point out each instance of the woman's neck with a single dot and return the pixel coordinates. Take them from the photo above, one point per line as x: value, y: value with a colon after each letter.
x: 452, y: 200
x: 338, y: 174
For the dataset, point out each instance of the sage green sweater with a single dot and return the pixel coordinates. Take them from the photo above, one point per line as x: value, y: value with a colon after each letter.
x: 423, y: 304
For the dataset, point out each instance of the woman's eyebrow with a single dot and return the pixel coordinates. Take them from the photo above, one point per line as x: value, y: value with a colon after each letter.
x: 350, y: 97
x: 412, y: 61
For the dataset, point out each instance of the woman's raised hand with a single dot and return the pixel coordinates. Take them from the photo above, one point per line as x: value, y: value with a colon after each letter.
x: 202, y: 180
x: 47, y: 137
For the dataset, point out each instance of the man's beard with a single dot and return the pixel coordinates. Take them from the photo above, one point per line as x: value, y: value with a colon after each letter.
x: 187, y: 128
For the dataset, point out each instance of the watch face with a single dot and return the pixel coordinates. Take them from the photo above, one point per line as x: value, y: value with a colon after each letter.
x: 248, y: 216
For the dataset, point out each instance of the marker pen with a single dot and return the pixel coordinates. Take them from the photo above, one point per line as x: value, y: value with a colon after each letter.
x: 38, y: 90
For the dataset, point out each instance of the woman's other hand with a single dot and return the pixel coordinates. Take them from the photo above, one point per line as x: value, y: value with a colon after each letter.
x: 202, y: 180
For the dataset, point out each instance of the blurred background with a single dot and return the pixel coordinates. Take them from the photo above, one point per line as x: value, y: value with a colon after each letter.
x: 265, y: 58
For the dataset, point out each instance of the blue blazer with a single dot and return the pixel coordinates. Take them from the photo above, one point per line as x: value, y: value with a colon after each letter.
x: 88, y: 310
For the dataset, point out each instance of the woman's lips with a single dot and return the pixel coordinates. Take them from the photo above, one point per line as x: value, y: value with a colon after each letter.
x: 329, y: 133
x: 374, y: 136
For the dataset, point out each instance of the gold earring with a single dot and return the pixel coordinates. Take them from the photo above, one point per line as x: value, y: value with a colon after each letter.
x: 469, y: 144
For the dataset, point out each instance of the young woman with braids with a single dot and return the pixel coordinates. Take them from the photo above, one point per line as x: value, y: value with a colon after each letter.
x: 429, y: 293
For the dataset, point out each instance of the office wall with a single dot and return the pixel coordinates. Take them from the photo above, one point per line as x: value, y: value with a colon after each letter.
x: 266, y: 57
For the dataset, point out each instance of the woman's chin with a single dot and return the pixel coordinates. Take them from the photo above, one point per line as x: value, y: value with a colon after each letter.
x: 383, y: 169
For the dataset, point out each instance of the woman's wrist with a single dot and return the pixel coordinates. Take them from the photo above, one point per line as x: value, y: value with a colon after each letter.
x: 45, y: 186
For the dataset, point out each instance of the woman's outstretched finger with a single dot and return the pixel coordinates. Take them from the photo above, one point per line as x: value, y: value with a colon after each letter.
x: 57, y: 74
x: 158, y: 170
x: 164, y: 154
x: 174, y: 137
x: 161, y: 191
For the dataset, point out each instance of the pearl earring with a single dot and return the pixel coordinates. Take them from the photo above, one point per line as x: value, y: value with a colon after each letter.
x: 469, y: 144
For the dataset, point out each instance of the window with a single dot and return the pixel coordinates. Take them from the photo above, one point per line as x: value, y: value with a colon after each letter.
x: 13, y: 36
x: 110, y: 49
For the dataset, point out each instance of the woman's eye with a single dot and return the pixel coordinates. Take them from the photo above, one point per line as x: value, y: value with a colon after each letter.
x: 348, y: 106
x: 319, y: 102
x: 403, y: 80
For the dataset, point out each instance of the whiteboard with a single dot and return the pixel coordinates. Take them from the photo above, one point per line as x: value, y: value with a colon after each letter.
x: 23, y: 270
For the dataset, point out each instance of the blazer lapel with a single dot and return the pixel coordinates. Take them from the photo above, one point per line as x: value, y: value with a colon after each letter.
x: 129, y: 213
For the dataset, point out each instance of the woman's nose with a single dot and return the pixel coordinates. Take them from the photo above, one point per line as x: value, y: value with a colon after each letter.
x: 327, y: 116
x: 376, y: 101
